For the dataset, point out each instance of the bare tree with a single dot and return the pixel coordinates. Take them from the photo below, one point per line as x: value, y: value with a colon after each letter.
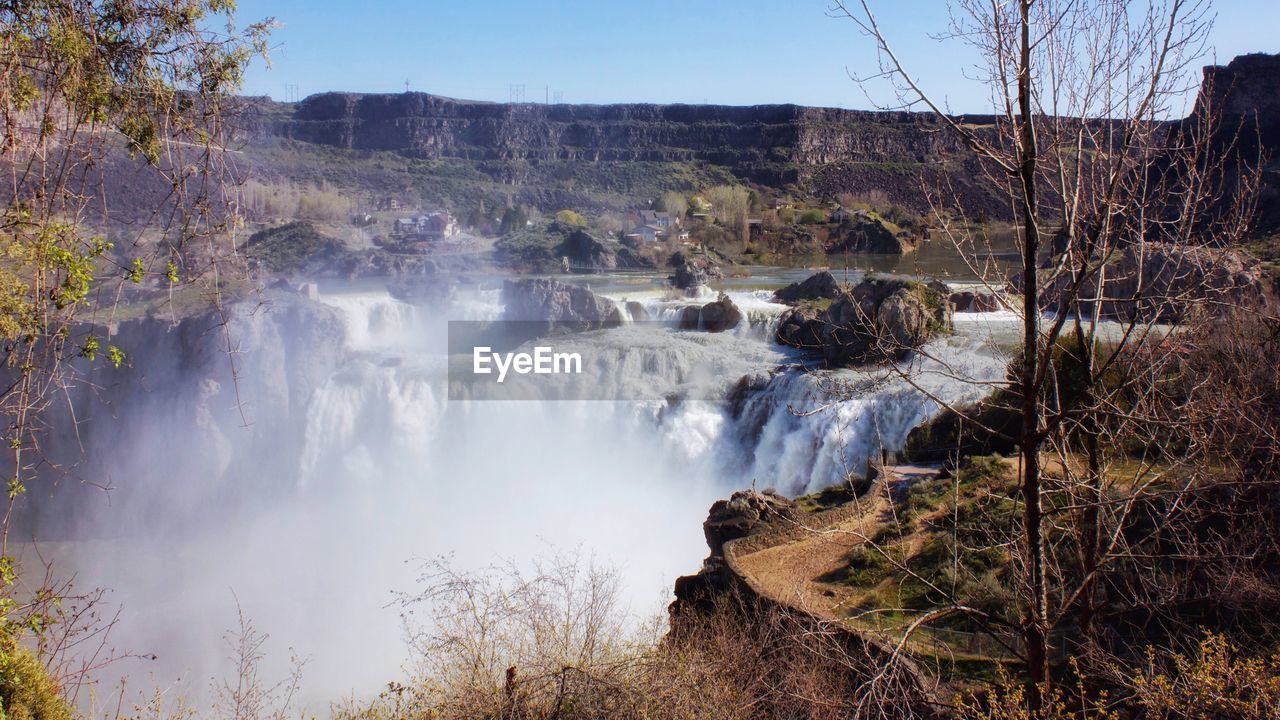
x: 1119, y: 210
x: 550, y: 640
x: 248, y: 696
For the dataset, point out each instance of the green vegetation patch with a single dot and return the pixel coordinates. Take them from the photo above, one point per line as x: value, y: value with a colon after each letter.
x: 831, y: 496
x: 944, y: 545
x: 26, y: 690
x: 297, y: 247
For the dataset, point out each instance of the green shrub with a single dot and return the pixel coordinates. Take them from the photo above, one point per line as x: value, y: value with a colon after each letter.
x: 833, y: 495
x: 297, y: 247
x: 867, y: 566
x: 569, y: 217
x: 26, y: 690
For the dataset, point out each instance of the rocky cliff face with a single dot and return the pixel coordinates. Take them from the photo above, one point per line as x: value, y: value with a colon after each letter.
x: 429, y: 126
x: 826, y: 151
x: 1243, y: 97
x: 1248, y: 86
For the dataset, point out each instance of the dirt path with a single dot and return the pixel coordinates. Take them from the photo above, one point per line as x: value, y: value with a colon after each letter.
x: 789, y: 571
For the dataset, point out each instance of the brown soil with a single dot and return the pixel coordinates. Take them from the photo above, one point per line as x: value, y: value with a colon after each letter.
x: 789, y: 571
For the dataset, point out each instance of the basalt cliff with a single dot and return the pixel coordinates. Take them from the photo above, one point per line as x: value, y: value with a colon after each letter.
x: 430, y: 126
x: 825, y: 151
x: 1243, y: 97
x: 561, y: 155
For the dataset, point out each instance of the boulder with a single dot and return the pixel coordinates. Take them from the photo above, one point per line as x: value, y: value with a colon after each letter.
x: 865, y: 233
x: 744, y: 513
x: 636, y: 311
x: 557, y: 306
x: 714, y: 317
x: 818, y: 286
x: 692, y: 273
x: 689, y: 276
x: 720, y: 315
x: 877, y: 320
x: 802, y: 328
x: 690, y: 317
x: 970, y: 301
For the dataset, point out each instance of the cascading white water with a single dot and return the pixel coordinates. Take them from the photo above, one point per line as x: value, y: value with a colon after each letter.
x: 800, y: 432
x: 806, y: 431
x: 386, y: 469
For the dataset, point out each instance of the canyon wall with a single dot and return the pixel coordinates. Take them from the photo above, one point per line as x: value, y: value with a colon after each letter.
x: 569, y: 155
x: 430, y: 126
x: 1243, y: 100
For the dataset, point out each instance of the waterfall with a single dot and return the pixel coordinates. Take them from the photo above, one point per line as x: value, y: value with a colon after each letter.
x: 353, y: 462
x: 798, y: 432
x: 805, y: 431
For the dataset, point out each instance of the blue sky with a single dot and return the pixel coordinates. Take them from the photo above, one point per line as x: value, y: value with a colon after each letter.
x: 737, y: 52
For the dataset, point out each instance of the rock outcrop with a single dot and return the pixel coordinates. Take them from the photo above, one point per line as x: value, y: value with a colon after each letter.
x: 434, y: 289
x: 584, y: 251
x: 534, y: 147
x: 744, y: 513
x: 1243, y: 97
x: 629, y: 259
x: 973, y: 301
x: 819, y: 286
x: 568, y: 248
x: 430, y: 126
x: 825, y: 152
x: 877, y: 320
x: 1167, y: 283
x: 553, y: 306
x: 714, y: 317
x: 692, y: 273
x: 296, y: 248
x: 428, y: 286
x: 864, y: 233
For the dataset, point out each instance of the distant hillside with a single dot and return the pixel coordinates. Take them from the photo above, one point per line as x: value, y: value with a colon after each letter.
x: 336, y: 154
x: 429, y: 126
x: 557, y: 155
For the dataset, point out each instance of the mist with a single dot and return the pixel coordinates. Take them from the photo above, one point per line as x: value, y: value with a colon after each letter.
x: 309, y: 484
